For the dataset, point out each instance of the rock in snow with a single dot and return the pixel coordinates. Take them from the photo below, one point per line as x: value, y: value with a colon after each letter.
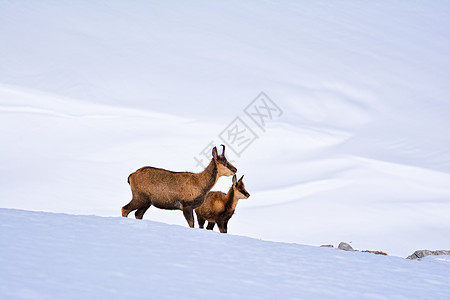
x: 423, y: 253
x: 345, y: 246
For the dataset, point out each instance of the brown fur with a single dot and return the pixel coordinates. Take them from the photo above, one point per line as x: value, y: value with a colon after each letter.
x: 375, y: 252
x: 175, y: 190
x: 219, y: 207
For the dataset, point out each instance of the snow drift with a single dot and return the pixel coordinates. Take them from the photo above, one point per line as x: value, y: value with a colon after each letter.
x: 55, y: 256
x: 90, y: 92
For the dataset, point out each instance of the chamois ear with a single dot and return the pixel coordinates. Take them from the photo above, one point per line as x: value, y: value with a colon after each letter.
x: 214, y: 153
x: 234, y: 179
x: 240, y: 179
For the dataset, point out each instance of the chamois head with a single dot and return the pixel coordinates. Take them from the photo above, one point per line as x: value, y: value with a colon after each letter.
x: 224, y: 168
x: 239, y: 188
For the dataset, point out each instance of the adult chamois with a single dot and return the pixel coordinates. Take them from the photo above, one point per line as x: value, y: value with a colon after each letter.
x: 219, y: 207
x: 175, y: 190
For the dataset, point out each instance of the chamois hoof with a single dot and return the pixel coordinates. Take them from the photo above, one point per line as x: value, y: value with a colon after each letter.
x: 125, y: 212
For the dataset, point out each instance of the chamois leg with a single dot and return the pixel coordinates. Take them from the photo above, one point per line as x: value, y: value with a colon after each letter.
x: 188, y: 213
x: 139, y: 214
x: 129, y: 208
x: 138, y: 201
x: 210, y: 225
x: 224, y: 227
x: 221, y: 227
x: 201, y: 221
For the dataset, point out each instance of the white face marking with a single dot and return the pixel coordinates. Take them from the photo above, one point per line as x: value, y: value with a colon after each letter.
x: 239, y: 194
x: 224, y: 171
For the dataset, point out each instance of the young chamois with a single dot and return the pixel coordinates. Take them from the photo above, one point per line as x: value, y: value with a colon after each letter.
x: 219, y: 207
x: 175, y: 190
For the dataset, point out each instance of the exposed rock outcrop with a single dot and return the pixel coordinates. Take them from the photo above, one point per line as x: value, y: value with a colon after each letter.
x: 345, y: 246
x: 422, y: 253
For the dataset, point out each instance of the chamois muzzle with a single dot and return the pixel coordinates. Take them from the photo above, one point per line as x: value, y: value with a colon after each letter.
x: 231, y: 168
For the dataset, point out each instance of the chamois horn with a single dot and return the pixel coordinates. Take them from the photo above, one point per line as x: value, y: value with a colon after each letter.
x: 223, y: 151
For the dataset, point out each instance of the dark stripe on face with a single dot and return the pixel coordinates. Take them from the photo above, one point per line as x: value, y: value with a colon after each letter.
x: 225, y: 163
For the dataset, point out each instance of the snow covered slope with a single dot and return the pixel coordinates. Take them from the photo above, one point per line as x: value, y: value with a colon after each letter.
x: 59, y: 256
x: 90, y: 92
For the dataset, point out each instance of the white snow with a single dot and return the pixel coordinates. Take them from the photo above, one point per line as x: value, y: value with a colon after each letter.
x: 59, y: 256
x: 90, y: 92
